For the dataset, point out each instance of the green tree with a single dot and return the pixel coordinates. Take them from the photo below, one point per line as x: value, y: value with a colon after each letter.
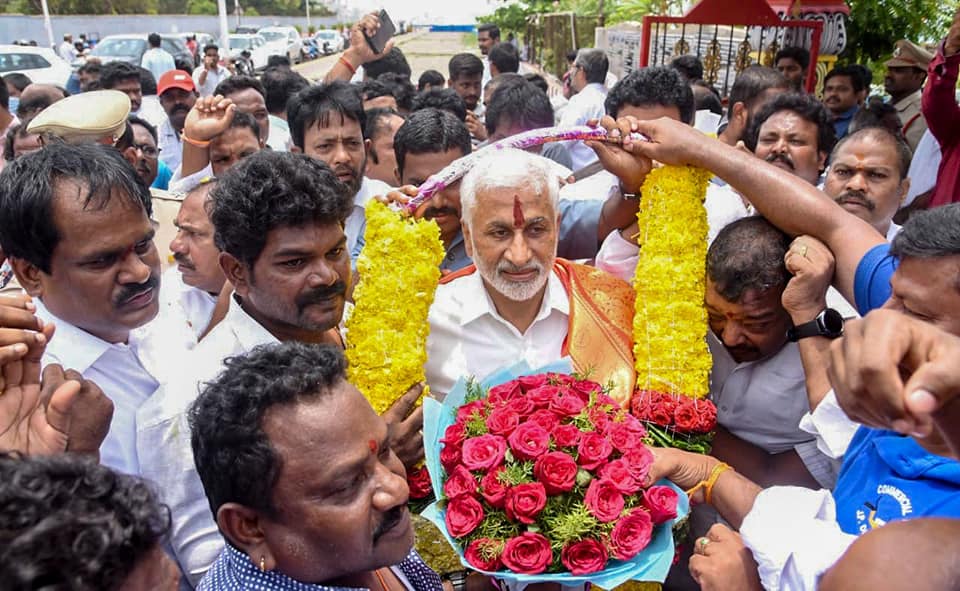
x: 201, y: 7
x: 875, y: 25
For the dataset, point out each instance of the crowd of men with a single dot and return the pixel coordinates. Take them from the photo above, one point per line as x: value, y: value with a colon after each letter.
x: 180, y: 251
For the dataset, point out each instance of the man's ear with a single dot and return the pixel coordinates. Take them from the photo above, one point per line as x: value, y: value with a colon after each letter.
x: 242, y: 526
x: 130, y: 155
x: 236, y: 273
x: 822, y: 161
x: 28, y: 275
x: 740, y: 114
x: 904, y: 189
x: 296, y: 149
x: 467, y: 242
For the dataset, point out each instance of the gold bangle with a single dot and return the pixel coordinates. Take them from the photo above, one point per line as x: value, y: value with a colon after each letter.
x: 711, y: 480
x: 193, y: 142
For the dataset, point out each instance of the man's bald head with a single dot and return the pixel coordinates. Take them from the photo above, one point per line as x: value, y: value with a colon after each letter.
x: 37, y: 97
x: 900, y: 556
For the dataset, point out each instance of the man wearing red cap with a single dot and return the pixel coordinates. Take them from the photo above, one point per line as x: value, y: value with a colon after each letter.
x: 177, y: 95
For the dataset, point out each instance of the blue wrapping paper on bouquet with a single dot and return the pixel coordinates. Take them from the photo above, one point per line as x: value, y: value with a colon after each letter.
x: 651, y: 564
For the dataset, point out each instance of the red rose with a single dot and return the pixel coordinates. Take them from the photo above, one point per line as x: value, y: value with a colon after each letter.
x: 529, y: 441
x: 685, y: 417
x: 545, y: 418
x: 584, y: 557
x: 603, y: 500
x: 418, y: 480
x: 707, y: 420
x: 504, y: 392
x: 640, y: 460
x: 594, y: 449
x: 454, y: 434
x: 526, y: 501
x: 631, y: 534
x: 484, y: 554
x: 528, y: 554
x: 620, y: 475
x: 622, y: 438
x: 631, y: 423
x: 523, y: 406
x: 449, y: 456
x: 557, y: 471
x: 543, y: 396
x: 459, y: 482
x: 568, y: 405
x: 483, y: 452
x: 528, y: 383
x: 467, y: 411
x: 502, y: 421
x: 492, y: 490
x: 586, y: 388
x: 659, y: 415
x: 667, y: 402
x: 661, y: 502
x: 464, y: 514
x: 605, y: 400
x: 600, y: 418
x: 566, y: 435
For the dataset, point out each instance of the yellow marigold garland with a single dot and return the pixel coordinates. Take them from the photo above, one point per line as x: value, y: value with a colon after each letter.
x: 387, y: 332
x: 670, y: 324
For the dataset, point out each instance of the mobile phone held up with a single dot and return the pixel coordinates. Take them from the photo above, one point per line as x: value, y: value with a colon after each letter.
x: 384, y: 33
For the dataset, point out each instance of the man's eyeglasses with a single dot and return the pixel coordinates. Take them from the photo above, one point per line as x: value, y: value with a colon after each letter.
x: 148, y: 150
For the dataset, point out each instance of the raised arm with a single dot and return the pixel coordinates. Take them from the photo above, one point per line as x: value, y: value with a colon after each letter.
x: 359, y: 51
x: 939, y: 103
x: 792, y: 205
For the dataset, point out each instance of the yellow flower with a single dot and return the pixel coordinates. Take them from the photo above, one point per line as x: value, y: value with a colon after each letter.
x: 387, y: 333
x: 670, y: 323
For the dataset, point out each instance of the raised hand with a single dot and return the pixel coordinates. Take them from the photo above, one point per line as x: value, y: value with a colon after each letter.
x: 359, y: 51
x: 209, y: 117
x: 630, y: 168
x: 407, y: 427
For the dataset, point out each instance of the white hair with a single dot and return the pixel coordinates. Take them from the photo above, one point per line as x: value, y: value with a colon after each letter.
x: 508, y: 169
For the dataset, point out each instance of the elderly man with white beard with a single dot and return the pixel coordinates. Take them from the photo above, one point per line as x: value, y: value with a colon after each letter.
x: 519, y: 301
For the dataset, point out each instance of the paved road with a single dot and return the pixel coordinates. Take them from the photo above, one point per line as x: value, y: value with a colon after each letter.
x: 424, y: 51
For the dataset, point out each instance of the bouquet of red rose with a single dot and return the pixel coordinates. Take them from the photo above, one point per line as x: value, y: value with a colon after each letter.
x: 675, y: 421
x: 544, y: 477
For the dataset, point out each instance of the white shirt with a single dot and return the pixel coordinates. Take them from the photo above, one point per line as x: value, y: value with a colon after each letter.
x: 469, y: 338
x: 163, y: 441
x: 158, y: 61
x: 279, y: 137
x: 117, y: 369
x: 151, y: 111
x: 168, y: 140
x: 923, y: 167
x: 213, y: 79
x: 583, y: 106
x: 185, y: 311
x: 357, y: 221
x: 67, y: 51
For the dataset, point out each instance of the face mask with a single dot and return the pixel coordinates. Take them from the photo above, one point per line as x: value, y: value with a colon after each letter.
x: 14, y: 103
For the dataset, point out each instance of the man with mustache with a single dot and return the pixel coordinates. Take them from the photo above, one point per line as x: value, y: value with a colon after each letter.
x: 289, y: 520
x: 75, y: 224
x: 278, y: 221
x: 519, y: 301
x: 326, y: 123
x: 177, y: 95
x: 189, y: 292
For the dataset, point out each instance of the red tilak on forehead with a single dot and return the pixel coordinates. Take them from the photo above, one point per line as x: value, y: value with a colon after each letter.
x: 517, y: 213
x: 373, y: 445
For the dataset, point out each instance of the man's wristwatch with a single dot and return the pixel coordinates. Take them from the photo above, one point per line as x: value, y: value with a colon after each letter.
x: 828, y: 323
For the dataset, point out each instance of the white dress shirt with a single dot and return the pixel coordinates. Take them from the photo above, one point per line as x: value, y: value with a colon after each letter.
x: 118, y: 370
x: 583, y: 106
x: 923, y: 167
x: 163, y: 441
x: 151, y: 111
x: 168, y: 140
x: 469, y: 338
x: 185, y: 311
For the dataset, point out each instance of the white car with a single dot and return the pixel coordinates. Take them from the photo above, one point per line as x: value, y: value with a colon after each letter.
x: 255, y: 44
x: 329, y: 41
x: 41, y: 64
x: 283, y: 41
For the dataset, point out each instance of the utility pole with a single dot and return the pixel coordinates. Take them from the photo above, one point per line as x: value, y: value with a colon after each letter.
x: 307, y: 4
x: 600, y: 17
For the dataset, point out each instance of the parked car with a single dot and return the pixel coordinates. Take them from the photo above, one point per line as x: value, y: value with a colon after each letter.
x: 41, y: 64
x: 255, y: 44
x: 329, y: 41
x: 283, y: 41
x: 130, y: 48
x: 247, y: 29
x: 203, y: 39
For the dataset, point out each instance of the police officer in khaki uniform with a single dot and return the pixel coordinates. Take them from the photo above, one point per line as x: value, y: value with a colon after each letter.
x: 906, y: 72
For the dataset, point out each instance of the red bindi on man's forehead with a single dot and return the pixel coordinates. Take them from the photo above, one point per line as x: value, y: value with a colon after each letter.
x: 518, y: 219
x: 373, y: 445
